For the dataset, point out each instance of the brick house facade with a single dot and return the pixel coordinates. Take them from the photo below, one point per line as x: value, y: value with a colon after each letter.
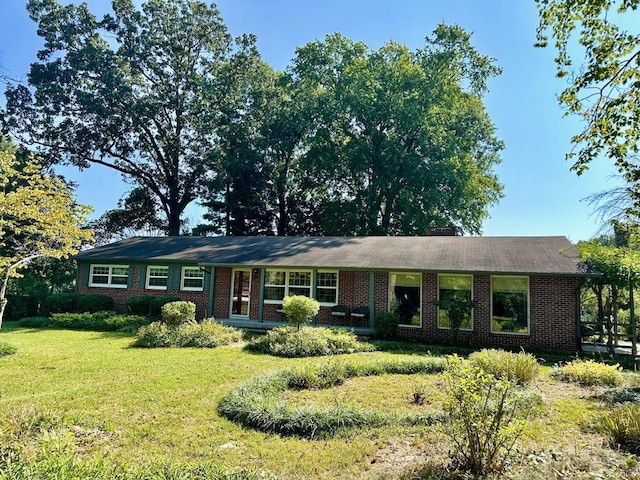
x: 241, y: 281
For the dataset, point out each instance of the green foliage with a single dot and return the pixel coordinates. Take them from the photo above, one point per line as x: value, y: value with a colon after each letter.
x: 300, y: 309
x: 34, y: 322
x: 258, y: 403
x: 622, y: 426
x: 486, y: 416
x: 622, y: 395
x: 386, y: 325
x: 156, y: 304
x: 208, y: 334
x: 94, y: 303
x: 589, y: 373
x: 7, y: 348
x: 518, y: 367
x: 97, y: 321
x: 60, y: 303
x: 308, y: 342
x: 177, y: 313
x: 139, y: 304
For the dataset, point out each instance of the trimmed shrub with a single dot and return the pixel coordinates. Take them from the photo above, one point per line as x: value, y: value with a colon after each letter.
x: 308, y: 342
x: 125, y: 323
x: 386, y: 325
x: 208, y: 334
x: 589, y: 373
x: 178, y: 313
x: 34, y: 322
x: 520, y: 367
x: 82, y: 321
x: 622, y: 427
x: 139, y: 304
x: 60, y: 303
x: 7, y: 349
x: 156, y: 304
x: 154, y: 335
x: 94, y: 303
x: 300, y: 309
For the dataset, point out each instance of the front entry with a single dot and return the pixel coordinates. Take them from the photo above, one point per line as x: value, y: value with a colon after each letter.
x: 240, y: 293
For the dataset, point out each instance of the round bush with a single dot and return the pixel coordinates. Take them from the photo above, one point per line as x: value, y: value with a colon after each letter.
x: 155, y: 305
x: 94, y: 303
x: 60, y: 303
x: 589, y: 373
x: 300, y: 309
x: 34, y: 322
x: 178, y: 313
x: 139, y: 304
x: 386, y: 325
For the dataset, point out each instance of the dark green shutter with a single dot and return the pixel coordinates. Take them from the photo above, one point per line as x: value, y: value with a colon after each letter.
x: 86, y: 269
x: 143, y: 276
x: 130, y: 276
x: 173, y: 282
x: 206, y: 281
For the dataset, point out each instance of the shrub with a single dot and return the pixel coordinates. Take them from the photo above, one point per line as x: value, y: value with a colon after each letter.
x: 154, y: 335
x: 34, y: 322
x: 60, y: 303
x: 155, y: 305
x: 208, y: 334
x: 308, y: 342
x: 486, y: 416
x: 125, y: 323
x: 386, y: 325
x: 300, y: 309
x: 139, y: 304
x: 622, y: 395
x: 178, y: 313
x: 94, y: 303
x: 622, y: 427
x: 520, y: 367
x: 20, y: 306
x: 81, y: 321
x: 7, y: 349
x: 589, y: 373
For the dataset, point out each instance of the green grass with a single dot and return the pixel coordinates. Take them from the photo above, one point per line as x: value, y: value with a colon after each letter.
x: 158, y: 407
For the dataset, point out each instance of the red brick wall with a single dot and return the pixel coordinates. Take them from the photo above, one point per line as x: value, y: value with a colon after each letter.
x: 222, y: 292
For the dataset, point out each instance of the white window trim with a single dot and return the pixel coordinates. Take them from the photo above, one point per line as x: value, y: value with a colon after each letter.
x: 336, y: 288
x: 286, y: 283
x: 147, y: 280
x: 528, y: 306
x: 472, y: 310
x: 182, y: 279
x: 396, y: 272
x: 109, y: 275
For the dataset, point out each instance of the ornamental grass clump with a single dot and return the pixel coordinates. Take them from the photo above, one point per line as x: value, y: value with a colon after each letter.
x: 207, y: 334
x: 7, y: 349
x: 621, y: 425
x: 589, y: 373
x: 520, y: 367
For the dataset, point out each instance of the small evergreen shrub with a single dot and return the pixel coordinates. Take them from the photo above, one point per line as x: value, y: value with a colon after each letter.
x: 81, y: 321
x: 60, y: 303
x: 299, y: 309
x: 155, y: 305
x: 622, y: 395
x: 94, y: 303
x: 125, y: 323
x: 589, y: 373
x: 622, y: 427
x: 208, y: 334
x: 386, y: 325
x: 292, y: 342
x: 139, y: 304
x: 7, y: 349
x: 34, y: 322
x: 520, y: 367
x: 178, y: 313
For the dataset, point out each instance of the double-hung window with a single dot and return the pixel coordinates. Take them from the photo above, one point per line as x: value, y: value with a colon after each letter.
x: 510, y: 305
x: 279, y: 284
x: 113, y: 276
x: 327, y: 287
x: 157, y: 277
x: 192, y: 278
x: 454, y: 292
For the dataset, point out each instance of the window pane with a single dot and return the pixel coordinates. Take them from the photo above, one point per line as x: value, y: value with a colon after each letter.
x: 510, y: 304
x: 158, y: 282
x: 273, y: 293
x: 193, y: 273
x: 326, y: 295
x: 158, y: 271
x: 406, y: 279
x: 274, y: 277
x: 101, y: 270
x: 119, y: 280
x: 300, y: 278
x: 193, y: 283
x: 405, y: 297
x: 454, y: 288
x: 300, y: 291
x: 120, y: 271
x: 327, y: 279
x: 104, y: 279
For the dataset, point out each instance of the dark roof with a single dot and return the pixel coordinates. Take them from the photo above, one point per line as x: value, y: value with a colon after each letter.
x: 533, y: 255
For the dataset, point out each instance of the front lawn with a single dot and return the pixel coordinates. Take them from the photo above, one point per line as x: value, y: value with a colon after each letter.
x: 148, y: 407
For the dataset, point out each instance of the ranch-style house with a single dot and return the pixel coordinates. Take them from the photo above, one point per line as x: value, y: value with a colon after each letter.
x: 525, y: 289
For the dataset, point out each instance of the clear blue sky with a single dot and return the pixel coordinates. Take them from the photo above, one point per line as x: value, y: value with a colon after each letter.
x: 542, y: 197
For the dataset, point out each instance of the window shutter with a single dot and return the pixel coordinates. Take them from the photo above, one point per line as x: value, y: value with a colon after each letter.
x: 86, y: 269
x: 143, y: 276
x: 130, y: 276
x: 207, y: 281
x: 173, y: 281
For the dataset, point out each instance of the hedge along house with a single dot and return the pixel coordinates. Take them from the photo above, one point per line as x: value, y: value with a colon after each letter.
x: 525, y: 289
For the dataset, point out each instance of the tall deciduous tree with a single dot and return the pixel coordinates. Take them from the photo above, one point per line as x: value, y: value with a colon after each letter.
x: 605, y: 91
x: 38, y: 218
x: 137, y: 91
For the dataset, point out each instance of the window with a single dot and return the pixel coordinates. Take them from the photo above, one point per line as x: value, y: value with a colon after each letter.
x: 157, y: 277
x: 192, y: 279
x: 510, y: 305
x: 327, y: 287
x: 452, y: 288
x: 280, y: 284
x: 114, y: 276
x: 405, y: 297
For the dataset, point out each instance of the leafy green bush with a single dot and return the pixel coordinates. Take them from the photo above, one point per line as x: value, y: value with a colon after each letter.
x: 139, y: 304
x: 94, y: 303
x: 7, y: 349
x: 155, y: 305
x: 386, y: 325
x: 308, y: 342
x: 34, y: 322
x: 300, y: 309
x: 60, y: 303
x: 208, y: 334
x: 622, y: 395
x: 178, y: 313
x: 20, y: 306
x: 97, y: 321
x: 520, y: 367
x: 486, y: 416
x: 588, y: 373
x: 125, y: 323
x: 622, y: 427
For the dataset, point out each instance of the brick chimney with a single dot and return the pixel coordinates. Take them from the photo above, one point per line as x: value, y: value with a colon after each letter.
x: 449, y: 231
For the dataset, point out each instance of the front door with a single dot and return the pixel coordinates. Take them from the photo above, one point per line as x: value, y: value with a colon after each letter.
x: 240, y: 293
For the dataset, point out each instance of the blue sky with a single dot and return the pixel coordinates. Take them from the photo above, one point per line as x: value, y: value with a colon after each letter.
x: 542, y: 196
